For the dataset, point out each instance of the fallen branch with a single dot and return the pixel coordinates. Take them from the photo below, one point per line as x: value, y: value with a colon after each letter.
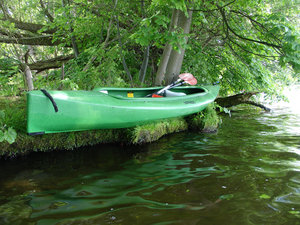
x: 242, y: 98
x: 258, y: 105
x: 32, y: 27
x: 37, y: 40
x: 50, y: 63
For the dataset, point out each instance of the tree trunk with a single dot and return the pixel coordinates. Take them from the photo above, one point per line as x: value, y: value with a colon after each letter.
x: 62, y: 76
x: 121, y: 52
x: 144, y: 66
x: 167, y: 51
x: 74, y: 44
x: 28, y: 77
x: 176, y: 57
x: 185, y: 24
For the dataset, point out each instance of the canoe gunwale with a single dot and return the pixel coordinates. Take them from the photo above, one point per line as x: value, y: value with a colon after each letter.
x: 204, y: 92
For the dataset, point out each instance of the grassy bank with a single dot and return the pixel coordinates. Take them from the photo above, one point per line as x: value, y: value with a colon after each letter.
x: 15, y: 117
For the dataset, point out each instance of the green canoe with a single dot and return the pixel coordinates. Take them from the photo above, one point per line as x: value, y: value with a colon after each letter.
x: 103, y: 108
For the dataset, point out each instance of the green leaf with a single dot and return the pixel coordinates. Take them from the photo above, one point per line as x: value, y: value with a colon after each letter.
x: 2, y: 115
x: 226, y: 197
x: 264, y: 196
x: 294, y: 212
x: 10, y: 135
x: 1, y: 136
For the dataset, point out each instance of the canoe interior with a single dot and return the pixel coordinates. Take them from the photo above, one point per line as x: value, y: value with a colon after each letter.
x: 143, y: 92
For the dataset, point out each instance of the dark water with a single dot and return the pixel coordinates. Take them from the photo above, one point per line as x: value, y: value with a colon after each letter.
x: 246, y: 173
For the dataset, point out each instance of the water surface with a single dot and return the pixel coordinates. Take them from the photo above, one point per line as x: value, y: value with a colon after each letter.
x: 246, y: 173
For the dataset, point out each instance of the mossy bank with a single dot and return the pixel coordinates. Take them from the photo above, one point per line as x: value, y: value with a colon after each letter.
x: 14, y: 116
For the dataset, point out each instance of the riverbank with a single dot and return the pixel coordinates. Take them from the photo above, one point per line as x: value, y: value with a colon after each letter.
x: 15, y: 117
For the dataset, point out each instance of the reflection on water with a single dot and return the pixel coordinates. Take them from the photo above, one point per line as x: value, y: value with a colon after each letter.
x: 247, y: 173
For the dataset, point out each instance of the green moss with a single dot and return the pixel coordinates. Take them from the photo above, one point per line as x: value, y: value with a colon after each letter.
x: 151, y: 132
x: 206, y: 120
x: 25, y: 143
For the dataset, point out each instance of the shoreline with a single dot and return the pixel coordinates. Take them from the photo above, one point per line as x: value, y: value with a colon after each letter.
x: 15, y: 117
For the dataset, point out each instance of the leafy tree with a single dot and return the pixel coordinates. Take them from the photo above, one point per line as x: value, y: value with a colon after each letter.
x: 252, y: 45
x: 237, y: 42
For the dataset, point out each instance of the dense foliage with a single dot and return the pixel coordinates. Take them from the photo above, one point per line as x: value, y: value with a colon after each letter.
x: 80, y: 44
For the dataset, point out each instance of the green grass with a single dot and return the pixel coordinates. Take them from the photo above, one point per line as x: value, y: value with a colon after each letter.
x: 15, y: 112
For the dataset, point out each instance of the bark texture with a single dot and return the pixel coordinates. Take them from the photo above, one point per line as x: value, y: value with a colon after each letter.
x: 28, y: 77
x: 172, y: 59
x: 160, y: 75
x: 144, y: 65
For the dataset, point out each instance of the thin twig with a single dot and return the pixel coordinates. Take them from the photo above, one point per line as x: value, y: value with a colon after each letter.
x: 244, y: 38
x: 121, y: 52
x: 47, y: 13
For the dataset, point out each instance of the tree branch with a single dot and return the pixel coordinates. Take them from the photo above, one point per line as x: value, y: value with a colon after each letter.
x: 50, y: 63
x: 32, y: 27
x: 73, y: 38
x: 10, y: 34
x: 253, y: 21
x: 211, y: 10
x: 244, y: 38
x: 244, y: 49
x: 4, y: 10
x: 121, y: 51
x: 258, y: 105
x: 110, y: 24
x: 50, y: 17
x: 242, y: 98
x: 144, y: 65
x: 38, y: 40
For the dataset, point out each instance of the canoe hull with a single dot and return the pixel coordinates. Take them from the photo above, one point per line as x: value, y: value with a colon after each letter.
x: 89, y: 110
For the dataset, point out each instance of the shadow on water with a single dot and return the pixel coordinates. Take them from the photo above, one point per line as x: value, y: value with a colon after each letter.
x: 246, y: 173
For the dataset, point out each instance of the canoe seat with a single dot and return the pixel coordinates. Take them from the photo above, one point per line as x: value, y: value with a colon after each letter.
x: 168, y: 93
